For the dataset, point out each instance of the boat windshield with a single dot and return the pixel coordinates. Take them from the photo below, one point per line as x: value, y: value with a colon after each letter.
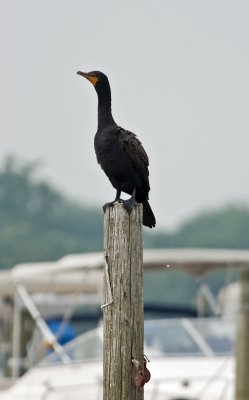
x: 182, y: 337
x: 186, y: 337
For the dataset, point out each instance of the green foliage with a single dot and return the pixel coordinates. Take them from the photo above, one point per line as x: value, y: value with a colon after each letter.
x: 223, y: 228
x: 37, y: 223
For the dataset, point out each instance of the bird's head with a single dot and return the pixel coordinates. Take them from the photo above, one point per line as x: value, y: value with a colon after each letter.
x: 97, y: 78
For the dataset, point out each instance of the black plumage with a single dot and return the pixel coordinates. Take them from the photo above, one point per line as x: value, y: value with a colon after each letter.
x: 120, y: 153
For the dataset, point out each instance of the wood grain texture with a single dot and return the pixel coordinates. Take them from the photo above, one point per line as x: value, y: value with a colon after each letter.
x: 123, y: 319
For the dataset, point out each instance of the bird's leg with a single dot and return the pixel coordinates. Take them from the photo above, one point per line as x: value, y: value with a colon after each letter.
x: 118, y: 193
x: 129, y: 204
x: 117, y: 198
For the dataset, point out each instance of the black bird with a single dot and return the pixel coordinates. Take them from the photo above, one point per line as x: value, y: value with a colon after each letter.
x: 119, y: 152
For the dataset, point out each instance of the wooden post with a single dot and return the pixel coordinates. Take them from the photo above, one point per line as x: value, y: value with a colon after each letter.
x: 242, y: 368
x: 123, y: 318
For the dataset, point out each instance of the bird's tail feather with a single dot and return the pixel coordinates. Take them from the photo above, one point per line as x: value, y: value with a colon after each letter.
x: 148, y: 216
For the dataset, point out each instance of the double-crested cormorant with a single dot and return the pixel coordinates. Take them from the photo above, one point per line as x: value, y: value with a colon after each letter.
x: 119, y: 152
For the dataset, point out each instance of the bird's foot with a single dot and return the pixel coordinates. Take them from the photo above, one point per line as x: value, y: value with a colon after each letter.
x: 111, y: 203
x: 129, y: 204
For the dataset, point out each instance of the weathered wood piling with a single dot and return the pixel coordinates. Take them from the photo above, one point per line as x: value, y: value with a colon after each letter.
x: 123, y: 296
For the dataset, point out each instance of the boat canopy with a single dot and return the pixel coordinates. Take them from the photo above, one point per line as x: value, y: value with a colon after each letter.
x: 83, y: 272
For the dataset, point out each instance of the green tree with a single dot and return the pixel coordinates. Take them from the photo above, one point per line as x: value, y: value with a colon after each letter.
x: 227, y: 227
x: 37, y: 223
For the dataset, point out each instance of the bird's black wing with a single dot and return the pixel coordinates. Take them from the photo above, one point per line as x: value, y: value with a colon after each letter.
x: 135, y: 152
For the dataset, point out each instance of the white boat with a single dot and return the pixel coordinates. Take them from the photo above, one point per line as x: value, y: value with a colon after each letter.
x: 190, y: 368
x: 190, y: 359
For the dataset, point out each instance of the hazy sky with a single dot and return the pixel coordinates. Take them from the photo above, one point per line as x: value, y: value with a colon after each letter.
x: 179, y: 77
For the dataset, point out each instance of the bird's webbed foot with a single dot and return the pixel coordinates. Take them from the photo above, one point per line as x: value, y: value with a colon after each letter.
x: 111, y: 203
x: 129, y: 204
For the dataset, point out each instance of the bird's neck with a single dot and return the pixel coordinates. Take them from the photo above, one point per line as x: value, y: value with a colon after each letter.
x: 104, y: 109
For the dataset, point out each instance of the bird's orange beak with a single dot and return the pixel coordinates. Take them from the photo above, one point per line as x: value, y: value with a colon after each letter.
x: 92, y: 79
